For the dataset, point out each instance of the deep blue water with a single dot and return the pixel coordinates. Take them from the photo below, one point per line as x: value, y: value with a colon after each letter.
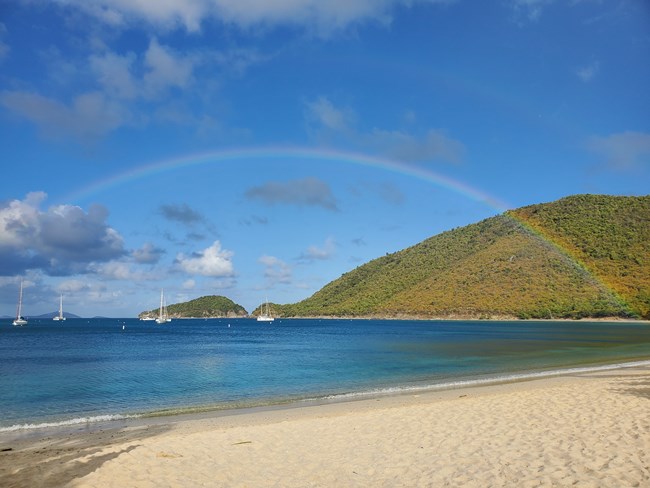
x: 55, y: 373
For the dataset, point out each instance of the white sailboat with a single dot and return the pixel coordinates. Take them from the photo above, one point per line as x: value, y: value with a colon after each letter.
x: 163, y: 318
x: 265, y: 313
x: 19, y: 318
x: 60, y: 316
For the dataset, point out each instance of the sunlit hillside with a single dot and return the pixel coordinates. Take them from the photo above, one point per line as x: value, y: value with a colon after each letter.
x: 581, y: 256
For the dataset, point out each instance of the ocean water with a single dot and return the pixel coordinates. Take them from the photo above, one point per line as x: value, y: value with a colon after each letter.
x: 80, y: 370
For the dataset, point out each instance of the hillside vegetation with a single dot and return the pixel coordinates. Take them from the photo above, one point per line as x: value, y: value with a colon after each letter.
x: 204, y: 307
x: 581, y: 256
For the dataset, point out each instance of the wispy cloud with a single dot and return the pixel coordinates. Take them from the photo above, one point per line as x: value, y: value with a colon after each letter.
x: 323, y: 114
x: 4, y: 48
x: 622, y: 151
x: 148, y: 76
x: 148, y: 254
x: 528, y: 10
x: 331, y: 123
x: 276, y: 270
x: 587, y: 72
x: 390, y: 193
x: 196, y: 225
x: 319, y: 16
x: 304, y: 192
x: 386, y: 191
x: 319, y: 253
x: 165, y: 70
x: 254, y: 220
x: 114, y: 73
x: 106, y: 90
x: 88, y: 117
x: 181, y: 213
x: 120, y: 271
x: 434, y: 145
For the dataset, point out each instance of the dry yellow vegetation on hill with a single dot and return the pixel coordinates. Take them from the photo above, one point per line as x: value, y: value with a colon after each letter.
x: 581, y: 256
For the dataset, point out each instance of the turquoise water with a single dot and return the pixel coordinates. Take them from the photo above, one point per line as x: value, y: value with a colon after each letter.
x: 83, y: 370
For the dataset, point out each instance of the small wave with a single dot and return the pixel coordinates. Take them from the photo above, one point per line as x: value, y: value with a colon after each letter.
x: 337, y: 397
x: 66, y: 423
x: 450, y: 385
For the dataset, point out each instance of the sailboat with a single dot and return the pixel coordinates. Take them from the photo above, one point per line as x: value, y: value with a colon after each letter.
x: 265, y: 314
x: 19, y: 319
x: 162, y: 312
x: 60, y: 316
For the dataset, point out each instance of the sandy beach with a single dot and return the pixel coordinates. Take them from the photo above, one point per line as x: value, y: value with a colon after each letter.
x: 582, y: 429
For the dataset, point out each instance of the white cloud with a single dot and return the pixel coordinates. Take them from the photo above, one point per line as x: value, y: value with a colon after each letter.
x: 189, y: 284
x: 164, y: 14
x: 625, y: 150
x: 129, y: 89
x: 276, y: 270
x: 62, y: 240
x: 323, y: 16
x: 212, y: 261
x: 163, y: 69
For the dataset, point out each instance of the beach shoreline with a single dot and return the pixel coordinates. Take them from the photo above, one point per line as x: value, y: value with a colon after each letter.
x: 91, y: 424
x: 591, y: 428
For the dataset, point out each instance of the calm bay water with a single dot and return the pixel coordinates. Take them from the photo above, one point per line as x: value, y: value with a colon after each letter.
x: 58, y: 373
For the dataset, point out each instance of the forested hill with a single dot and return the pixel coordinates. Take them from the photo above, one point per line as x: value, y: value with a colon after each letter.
x: 208, y: 306
x: 581, y: 256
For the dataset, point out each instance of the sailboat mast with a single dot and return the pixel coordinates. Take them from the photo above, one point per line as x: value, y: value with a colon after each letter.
x: 20, y: 302
x: 160, y: 311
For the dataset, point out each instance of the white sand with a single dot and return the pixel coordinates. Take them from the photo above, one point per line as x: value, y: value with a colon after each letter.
x: 584, y: 430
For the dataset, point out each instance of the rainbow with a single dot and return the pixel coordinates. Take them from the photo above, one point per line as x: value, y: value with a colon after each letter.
x: 279, y: 153
x: 419, y: 172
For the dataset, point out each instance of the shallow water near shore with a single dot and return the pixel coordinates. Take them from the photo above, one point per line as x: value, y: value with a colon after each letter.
x: 90, y: 370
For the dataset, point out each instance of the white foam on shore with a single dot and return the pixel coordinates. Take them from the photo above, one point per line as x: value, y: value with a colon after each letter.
x: 449, y: 385
x: 342, y: 397
x: 66, y: 423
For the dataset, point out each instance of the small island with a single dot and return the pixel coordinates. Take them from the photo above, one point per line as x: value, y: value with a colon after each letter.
x: 211, y: 306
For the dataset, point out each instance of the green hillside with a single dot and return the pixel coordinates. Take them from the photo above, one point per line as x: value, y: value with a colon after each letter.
x: 208, y: 306
x: 582, y: 256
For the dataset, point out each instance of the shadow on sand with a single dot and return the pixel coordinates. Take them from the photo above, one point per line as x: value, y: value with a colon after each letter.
x: 59, y: 459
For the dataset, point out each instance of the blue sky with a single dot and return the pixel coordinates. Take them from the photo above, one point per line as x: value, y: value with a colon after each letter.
x: 259, y: 149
